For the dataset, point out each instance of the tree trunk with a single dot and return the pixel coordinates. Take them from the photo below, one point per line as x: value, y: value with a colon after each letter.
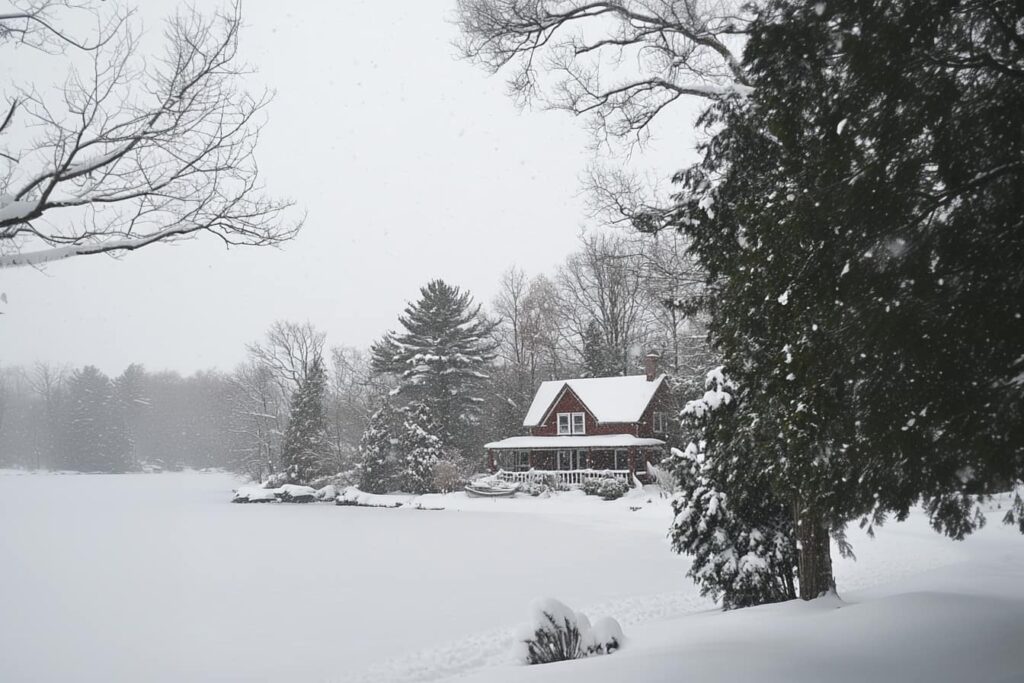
x: 815, y: 558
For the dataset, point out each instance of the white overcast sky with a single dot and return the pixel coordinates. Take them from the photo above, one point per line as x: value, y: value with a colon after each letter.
x: 410, y: 163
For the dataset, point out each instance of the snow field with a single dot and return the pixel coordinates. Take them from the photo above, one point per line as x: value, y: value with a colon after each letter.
x: 160, y: 578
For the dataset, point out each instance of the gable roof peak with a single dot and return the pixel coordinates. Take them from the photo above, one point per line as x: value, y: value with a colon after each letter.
x: 609, y: 399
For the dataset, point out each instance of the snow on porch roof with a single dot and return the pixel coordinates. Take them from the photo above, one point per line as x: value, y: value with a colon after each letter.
x: 555, y: 442
x: 609, y: 399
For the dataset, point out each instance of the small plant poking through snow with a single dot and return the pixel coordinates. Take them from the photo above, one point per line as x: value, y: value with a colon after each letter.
x: 556, y: 633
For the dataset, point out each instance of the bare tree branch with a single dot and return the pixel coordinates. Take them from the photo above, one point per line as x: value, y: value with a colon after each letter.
x: 134, y: 152
x: 619, y: 63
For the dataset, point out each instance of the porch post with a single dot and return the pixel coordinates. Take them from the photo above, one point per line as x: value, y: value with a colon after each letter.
x: 632, y: 460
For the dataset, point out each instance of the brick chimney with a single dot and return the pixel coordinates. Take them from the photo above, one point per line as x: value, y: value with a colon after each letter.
x: 651, y: 366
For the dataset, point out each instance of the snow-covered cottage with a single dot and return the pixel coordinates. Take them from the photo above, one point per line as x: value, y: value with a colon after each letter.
x: 577, y: 426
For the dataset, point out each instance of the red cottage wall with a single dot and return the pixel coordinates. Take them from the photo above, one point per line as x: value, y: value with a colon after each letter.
x: 662, y: 402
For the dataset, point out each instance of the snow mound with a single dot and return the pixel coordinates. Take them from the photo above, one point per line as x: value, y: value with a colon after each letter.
x: 354, y: 496
x: 327, y: 493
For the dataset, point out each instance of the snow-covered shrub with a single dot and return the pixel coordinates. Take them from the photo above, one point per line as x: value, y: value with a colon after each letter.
x: 538, y: 483
x: 553, y: 635
x: 276, y: 480
x: 608, y: 488
x: 663, y: 477
x: 536, y: 487
x: 556, y: 633
x: 340, y: 480
x: 446, y: 477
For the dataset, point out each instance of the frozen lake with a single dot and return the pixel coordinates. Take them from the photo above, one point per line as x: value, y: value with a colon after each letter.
x: 158, y: 577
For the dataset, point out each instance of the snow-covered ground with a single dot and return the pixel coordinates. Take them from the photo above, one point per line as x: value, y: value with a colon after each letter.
x: 159, y: 578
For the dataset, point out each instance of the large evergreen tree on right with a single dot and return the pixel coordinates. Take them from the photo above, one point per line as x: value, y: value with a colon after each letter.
x: 861, y: 220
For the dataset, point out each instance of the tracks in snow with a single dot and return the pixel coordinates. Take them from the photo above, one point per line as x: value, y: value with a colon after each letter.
x: 496, y: 648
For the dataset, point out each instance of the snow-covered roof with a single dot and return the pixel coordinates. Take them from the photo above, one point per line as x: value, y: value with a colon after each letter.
x: 555, y: 442
x: 609, y: 399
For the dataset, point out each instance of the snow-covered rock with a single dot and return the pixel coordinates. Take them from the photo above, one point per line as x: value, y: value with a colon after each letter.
x: 293, y: 493
x: 254, y: 494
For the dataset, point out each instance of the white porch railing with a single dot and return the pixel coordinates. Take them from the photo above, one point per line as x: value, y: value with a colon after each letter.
x: 565, y: 477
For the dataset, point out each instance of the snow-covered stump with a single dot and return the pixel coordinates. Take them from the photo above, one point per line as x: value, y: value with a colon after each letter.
x: 556, y: 633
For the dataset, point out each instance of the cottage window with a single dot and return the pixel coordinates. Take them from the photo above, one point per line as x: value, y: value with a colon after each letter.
x: 572, y: 423
x: 523, y: 464
x: 578, y: 424
x: 659, y: 422
x: 564, y: 423
x: 621, y: 459
x: 572, y: 459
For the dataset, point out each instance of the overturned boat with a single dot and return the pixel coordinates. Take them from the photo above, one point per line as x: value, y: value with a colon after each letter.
x: 491, y: 487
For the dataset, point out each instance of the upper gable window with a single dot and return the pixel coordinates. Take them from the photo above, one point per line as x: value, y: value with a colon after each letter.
x: 660, y: 423
x: 572, y: 423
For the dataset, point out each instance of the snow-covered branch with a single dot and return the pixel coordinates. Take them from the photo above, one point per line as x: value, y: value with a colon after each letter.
x: 621, y: 63
x: 135, y: 151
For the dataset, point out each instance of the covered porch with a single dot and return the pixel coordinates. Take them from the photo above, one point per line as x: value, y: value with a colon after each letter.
x: 572, y: 459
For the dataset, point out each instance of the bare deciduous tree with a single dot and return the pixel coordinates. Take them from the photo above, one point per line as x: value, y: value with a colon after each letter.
x: 259, y: 415
x: 619, y: 63
x: 133, y: 149
x: 604, y: 283
x: 531, y: 334
x: 354, y: 393
x: 674, y: 283
x: 288, y: 352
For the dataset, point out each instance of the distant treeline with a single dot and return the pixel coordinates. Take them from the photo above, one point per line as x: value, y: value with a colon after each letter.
x: 58, y: 418
x: 609, y: 303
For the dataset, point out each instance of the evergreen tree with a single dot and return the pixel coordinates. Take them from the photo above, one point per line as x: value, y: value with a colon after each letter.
x: 440, y: 360
x: 419, y: 449
x: 131, y: 402
x: 860, y: 220
x: 378, y: 450
x: 306, y: 448
x: 598, y: 359
x: 95, y: 439
x: 739, y: 535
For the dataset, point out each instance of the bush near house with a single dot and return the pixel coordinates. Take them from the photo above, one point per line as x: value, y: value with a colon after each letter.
x: 608, y: 488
